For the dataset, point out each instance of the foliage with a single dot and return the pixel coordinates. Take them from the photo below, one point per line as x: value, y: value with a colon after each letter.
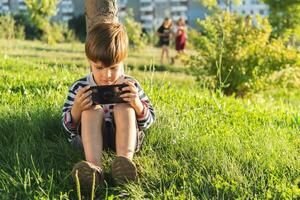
x: 9, y: 29
x: 214, y: 3
x: 288, y: 78
x: 31, y: 31
x: 232, y: 53
x: 78, y: 25
x: 284, y: 16
x: 19, y: 32
x: 51, y: 32
x: 134, y: 31
x: 7, y: 25
x: 40, y: 13
x: 57, y: 32
x: 193, y: 36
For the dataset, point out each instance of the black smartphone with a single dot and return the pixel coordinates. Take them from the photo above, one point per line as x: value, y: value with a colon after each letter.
x: 108, y: 94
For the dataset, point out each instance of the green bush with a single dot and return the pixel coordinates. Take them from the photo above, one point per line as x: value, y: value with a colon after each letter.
x: 7, y: 25
x: 193, y: 37
x: 288, y: 78
x: 50, y: 33
x: 57, y: 32
x: 232, y: 53
x: 134, y: 32
x: 31, y: 31
x: 9, y: 29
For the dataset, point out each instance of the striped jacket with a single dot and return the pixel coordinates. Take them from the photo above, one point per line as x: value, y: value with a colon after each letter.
x: 144, y: 121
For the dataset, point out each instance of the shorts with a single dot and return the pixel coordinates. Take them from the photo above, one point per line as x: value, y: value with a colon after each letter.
x: 109, y: 137
x: 164, y: 42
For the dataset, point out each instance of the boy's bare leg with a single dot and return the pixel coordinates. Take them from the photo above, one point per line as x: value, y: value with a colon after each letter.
x: 126, y: 133
x: 91, y: 133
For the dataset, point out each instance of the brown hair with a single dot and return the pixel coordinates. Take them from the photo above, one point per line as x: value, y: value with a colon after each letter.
x: 167, y: 23
x: 181, y: 20
x: 107, y: 43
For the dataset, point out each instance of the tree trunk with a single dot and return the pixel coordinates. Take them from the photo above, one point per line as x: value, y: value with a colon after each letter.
x: 100, y: 11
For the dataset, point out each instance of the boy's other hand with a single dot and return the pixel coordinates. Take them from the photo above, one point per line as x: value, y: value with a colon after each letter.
x: 132, y: 97
x: 83, y: 101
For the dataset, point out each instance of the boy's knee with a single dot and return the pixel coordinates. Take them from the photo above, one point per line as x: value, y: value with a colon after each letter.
x: 121, y: 107
x: 96, y: 113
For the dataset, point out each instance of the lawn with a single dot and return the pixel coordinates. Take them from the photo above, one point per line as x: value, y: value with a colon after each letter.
x: 202, y: 146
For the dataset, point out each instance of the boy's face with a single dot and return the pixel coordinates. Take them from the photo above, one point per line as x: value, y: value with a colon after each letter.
x: 106, y: 75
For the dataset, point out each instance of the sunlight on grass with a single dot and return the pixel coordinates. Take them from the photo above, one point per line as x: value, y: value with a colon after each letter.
x: 202, y: 146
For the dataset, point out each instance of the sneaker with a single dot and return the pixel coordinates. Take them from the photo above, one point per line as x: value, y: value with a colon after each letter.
x: 85, y: 172
x: 123, y: 170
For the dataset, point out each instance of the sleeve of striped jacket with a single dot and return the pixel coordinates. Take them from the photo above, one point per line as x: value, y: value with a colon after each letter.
x: 147, y: 118
x: 67, y: 122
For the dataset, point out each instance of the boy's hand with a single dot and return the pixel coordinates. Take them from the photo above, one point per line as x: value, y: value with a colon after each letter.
x: 132, y: 97
x: 83, y: 101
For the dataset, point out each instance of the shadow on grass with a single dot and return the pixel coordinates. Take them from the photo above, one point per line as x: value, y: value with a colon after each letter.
x: 44, y: 56
x: 160, y: 68
x: 34, y: 146
x: 68, y: 65
x: 48, y: 49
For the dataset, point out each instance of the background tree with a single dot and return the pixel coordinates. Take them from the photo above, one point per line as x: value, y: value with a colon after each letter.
x: 135, y: 34
x: 284, y: 16
x: 214, y: 3
x: 40, y: 12
x: 37, y: 20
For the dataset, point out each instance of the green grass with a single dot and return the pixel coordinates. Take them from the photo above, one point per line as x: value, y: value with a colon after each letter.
x: 202, y: 146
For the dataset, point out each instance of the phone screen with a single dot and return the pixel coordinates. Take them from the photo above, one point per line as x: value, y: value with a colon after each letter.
x: 108, y: 94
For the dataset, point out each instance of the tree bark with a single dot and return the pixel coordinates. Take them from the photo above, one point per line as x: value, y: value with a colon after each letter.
x: 100, y: 11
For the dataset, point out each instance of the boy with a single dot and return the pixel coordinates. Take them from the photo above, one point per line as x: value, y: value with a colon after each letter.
x: 118, y: 127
